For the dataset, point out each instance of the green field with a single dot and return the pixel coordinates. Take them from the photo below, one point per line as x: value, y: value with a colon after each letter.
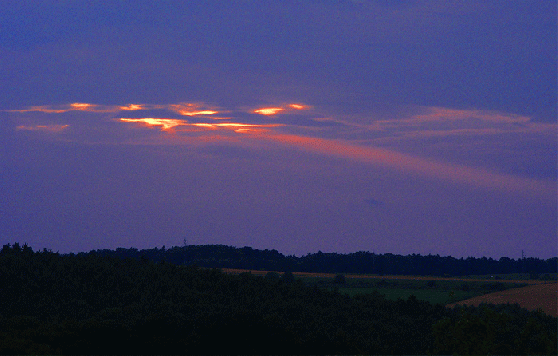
x: 434, y: 296
x: 435, y: 292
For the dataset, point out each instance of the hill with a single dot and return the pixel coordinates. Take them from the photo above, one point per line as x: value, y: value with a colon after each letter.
x: 88, y: 303
x: 220, y: 256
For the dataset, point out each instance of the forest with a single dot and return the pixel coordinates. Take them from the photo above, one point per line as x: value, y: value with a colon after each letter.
x: 221, y: 256
x: 107, y: 302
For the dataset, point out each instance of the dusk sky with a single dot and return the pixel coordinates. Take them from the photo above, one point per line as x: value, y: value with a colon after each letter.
x: 334, y: 125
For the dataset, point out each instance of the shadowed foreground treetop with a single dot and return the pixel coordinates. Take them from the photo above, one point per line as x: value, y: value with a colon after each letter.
x: 88, y: 303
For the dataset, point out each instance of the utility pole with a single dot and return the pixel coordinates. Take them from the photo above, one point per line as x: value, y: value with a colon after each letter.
x: 184, y: 244
x: 522, y: 262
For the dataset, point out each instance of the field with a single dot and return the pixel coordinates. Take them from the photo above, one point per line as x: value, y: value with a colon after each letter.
x: 436, y: 290
x: 502, y: 278
x: 541, y: 296
x: 86, y: 303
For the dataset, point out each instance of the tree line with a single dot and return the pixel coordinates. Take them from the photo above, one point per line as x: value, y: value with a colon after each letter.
x: 221, y: 256
x: 90, y: 304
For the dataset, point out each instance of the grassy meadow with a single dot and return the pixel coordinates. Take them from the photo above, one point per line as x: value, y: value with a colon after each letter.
x: 434, y: 291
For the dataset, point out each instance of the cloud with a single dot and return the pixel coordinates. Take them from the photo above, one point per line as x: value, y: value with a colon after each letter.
x: 185, y: 109
x: 445, y: 119
x: 298, y: 125
x: 44, y: 128
x: 284, y: 109
x: 165, y: 124
x: 424, y: 122
x: 173, y: 125
x: 437, y: 114
x: 59, y: 109
x: 191, y: 109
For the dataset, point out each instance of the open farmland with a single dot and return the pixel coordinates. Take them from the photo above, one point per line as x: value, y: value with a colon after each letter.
x: 65, y: 304
x: 435, y: 290
x: 373, y: 276
x: 533, y: 297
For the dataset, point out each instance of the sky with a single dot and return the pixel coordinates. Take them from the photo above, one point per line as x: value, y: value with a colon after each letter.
x: 424, y: 127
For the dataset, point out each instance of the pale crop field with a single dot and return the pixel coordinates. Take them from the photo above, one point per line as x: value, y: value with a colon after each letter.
x: 533, y: 297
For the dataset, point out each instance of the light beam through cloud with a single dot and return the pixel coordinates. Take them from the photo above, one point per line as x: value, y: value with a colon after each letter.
x: 428, y: 168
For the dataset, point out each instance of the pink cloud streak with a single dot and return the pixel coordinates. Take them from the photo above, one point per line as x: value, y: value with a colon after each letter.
x: 424, y: 167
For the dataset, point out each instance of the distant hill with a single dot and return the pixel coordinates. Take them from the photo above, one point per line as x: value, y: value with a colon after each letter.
x: 222, y: 256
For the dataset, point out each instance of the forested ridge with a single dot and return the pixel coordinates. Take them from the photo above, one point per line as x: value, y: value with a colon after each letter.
x: 90, y: 304
x: 221, y: 256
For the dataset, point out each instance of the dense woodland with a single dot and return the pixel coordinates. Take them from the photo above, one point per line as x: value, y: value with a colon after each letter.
x: 90, y: 303
x: 220, y: 256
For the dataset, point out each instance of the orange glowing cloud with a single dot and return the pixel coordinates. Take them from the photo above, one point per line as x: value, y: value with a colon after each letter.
x: 205, y: 126
x: 94, y: 108
x: 268, y: 111
x: 106, y: 109
x: 299, y: 107
x: 244, y: 128
x: 166, y: 124
x: 132, y: 107
x: 277, y: 109
x: 201, y: 112
x: 169, y: 124
x: 81, y: 106
x: 186, y: 109
x: 189, y: 109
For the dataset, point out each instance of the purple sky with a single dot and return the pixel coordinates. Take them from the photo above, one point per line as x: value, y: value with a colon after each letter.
x: 401, y: 127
